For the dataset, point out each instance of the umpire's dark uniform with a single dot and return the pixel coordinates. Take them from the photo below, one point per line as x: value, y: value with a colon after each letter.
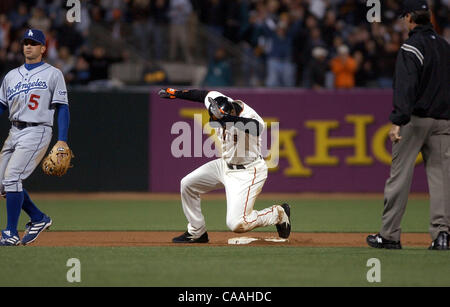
x: 422, y: 109
x: 422, y: 114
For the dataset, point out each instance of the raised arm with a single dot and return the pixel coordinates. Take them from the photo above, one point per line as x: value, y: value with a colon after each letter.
x: 192, y: 95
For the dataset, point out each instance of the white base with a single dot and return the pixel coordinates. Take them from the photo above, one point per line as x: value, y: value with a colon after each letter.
x: 247, y: 240
x: 241, y: 240
x: 278, y: 240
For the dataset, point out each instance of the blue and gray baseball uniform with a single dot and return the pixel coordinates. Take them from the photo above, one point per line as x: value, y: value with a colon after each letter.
x: 31, y: 93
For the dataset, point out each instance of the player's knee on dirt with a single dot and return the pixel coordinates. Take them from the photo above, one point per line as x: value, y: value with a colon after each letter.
x: 237, y: 226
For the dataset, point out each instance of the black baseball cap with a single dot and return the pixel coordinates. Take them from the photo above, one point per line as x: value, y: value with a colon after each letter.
x: 409, y: 6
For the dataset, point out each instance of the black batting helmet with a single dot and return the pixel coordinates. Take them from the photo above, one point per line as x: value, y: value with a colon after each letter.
x: 225, y: 106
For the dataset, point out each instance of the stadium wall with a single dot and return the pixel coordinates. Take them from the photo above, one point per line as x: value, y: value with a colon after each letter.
x: 329, y: 141
x: 109, y: 136
x: 124, y: 140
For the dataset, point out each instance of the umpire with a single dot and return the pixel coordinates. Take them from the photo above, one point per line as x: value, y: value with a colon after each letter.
x: 420, y: 123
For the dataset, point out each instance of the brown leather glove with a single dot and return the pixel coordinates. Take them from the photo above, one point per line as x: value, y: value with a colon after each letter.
x: 58, y: 160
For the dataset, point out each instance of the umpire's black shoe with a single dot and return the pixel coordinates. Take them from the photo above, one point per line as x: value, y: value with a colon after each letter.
x: 441, y: 242
x: 284, y: 227
x: 377, y: 241
x: 187, y: 238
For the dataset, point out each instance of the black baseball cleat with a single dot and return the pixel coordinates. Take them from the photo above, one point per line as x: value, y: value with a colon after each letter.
x: 187, y: 238
x: 441, y: 242
x: 377, y: 241
x: 284, y: 227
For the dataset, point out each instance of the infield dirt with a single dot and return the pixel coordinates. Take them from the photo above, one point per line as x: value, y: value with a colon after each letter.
x: 164, y: 238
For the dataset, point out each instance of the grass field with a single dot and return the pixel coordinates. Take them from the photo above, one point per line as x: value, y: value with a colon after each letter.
x: 235, y: 266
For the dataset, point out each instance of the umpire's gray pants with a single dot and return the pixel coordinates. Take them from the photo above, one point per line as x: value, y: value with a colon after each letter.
x: 432, y: 138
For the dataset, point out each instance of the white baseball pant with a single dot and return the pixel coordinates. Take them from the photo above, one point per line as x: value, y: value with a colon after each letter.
x: 242, y: 186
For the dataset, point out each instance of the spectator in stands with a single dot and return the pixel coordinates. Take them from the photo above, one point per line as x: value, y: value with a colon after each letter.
x: 352, y: 12
x: 19, y: 18
x: 280, y: 67
x: 5, y: 27
x: 337, y: 42
x: 10, y: 58
x: 14, y: 55
x: 319, y: 68
x: 302, y: 46
x: 254, y: 59
x: 388, y: 52
x: 344, y: 68
x: 141, y: 25
x: 325, y: 23
x: 318, y: 8
x: 314, y: 40
x: 99, y: 63
x: 52, y: 46
x: 39, y: 21
x: 219, y: 71
x: 80, y: 74
x: 159, y: 20
x: 369, y: 68
x: 65, y: 61
x: 329, y: 29
x: 83, y: 27
x: 3, y: 63
x: 117, y: 25
x: 365, y: 75
x: 213, y: 15
x: 57, y: 12
x: 97, y: 14
x: 179, y: 13
x: 441, y: 13
x: 233, y: 21
x: 68, y: 36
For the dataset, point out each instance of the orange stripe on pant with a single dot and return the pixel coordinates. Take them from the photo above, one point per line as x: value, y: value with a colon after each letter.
x: 246, y: 201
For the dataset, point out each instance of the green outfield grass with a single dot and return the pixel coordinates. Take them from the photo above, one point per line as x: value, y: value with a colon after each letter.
x: 307, y: 215
x: 222, y: 266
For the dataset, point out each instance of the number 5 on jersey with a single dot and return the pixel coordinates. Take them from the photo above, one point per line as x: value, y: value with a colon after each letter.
x: 33, y: 103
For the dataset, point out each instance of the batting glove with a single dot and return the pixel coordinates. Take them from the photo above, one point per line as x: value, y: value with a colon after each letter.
x: 167, y: 93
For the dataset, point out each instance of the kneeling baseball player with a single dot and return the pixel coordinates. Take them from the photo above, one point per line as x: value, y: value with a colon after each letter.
x: 241, y: 170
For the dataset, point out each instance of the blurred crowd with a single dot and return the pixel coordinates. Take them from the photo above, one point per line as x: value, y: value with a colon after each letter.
x: 283, y: 43
x: 67, y: 42
x: 316, y: 43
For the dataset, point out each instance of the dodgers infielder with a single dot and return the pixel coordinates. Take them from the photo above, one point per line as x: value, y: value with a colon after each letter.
x: 31, y: 93
x: 241, y: 170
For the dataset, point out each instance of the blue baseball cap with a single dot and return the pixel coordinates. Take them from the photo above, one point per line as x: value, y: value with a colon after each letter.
x: 409, y: 6
x: 35, y: 35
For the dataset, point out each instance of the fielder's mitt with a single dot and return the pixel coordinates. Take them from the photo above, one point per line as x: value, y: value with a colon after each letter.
x: 58, y: 160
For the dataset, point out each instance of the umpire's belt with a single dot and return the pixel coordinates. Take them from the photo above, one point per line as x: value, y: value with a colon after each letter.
x: 23, y: 125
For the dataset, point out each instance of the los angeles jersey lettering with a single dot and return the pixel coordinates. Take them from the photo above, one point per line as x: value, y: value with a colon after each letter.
x: 31, y: 94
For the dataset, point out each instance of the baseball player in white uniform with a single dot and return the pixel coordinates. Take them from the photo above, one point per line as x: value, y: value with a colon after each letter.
x: 30, y: 93
x: 241, y: 170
